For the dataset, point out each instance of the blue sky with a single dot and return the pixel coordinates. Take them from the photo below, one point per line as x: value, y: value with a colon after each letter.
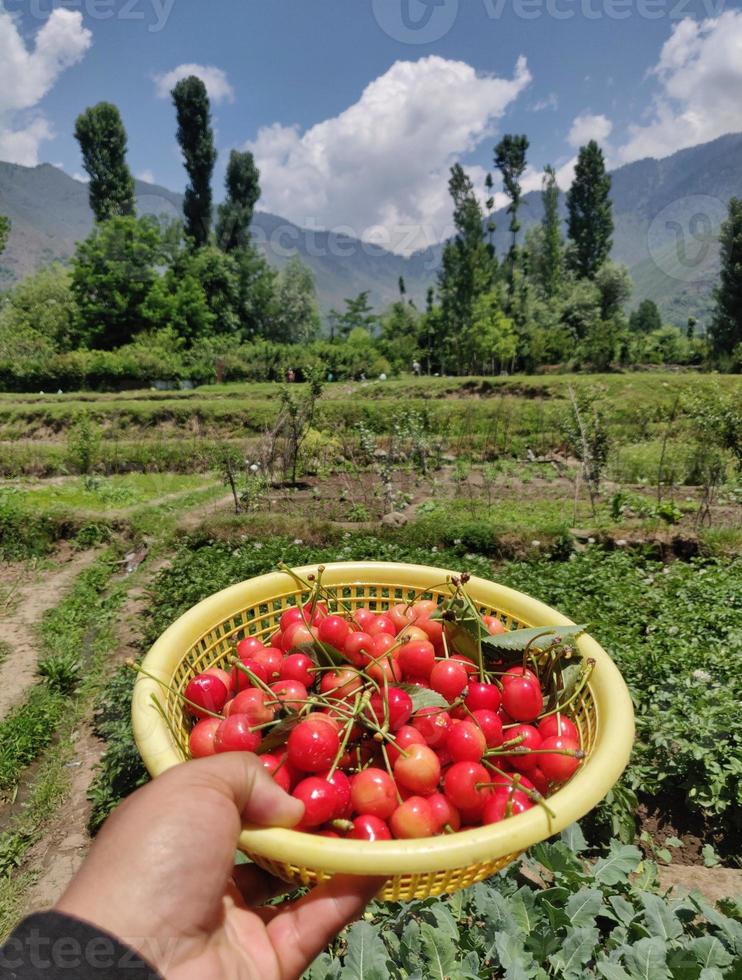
x: 356, y: 109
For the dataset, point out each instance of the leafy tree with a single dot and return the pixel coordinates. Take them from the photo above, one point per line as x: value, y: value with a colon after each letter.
x: 467, y: 267
x: 113, y: 271
x: 4, y: 232
x: 493, y: 341
x: 726, y: 325
x: 219, y: 276
x: 645, y: 318
x: 102, y: 138
x: 196, y: 139
x: 179, y: 303
x: 256, y: 288
x: 358, y: 313
x: 243, y: 191
x: 296, y: 319
x: 590, y: 213
x: 42, y: 305
x: 615, y: 286
x: 510, y: 160
x: 552, y: 257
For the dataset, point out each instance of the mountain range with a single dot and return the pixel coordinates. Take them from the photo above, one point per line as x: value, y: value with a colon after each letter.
x: 667, y: 214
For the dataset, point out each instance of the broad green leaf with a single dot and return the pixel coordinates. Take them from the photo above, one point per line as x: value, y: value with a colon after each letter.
x: 542, y: 942
x: 570, y: 674
x: 325, y: 967
x: 611, y: 971
x: 711, y: 973
x: 622, y: 859
x: 647, y: 960
x: 573, y: 837
x: 584, y: 905
x: 366, y: 958
x: 647, y: 875
x: 730, y: 929
x: 660, y: 920
x: 558, y: 858
x: 423, y: 697
x: 625, y: 911
x: 709, y: 952
x: 578, y: 948
x: 522, y: 907
x: 558, y: 918
x: 683, y: 964
x: 439, y: 952
x: 514, y: 959
x: 519, y: 639
x: 445, y: 923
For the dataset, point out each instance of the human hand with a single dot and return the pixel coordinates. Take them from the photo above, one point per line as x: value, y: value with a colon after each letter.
x: 161, y: 877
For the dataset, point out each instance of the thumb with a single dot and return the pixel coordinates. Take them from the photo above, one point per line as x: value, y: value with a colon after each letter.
x: 242, y: 778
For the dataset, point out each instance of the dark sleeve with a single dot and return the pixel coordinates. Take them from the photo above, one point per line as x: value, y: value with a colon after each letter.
x: 52, y: 946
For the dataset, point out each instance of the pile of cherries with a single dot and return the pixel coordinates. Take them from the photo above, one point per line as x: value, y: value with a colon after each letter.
x: 380, y: 727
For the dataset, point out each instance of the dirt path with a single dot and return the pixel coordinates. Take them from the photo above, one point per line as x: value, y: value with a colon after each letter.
x: 713, y: 883
x: 18, y: 625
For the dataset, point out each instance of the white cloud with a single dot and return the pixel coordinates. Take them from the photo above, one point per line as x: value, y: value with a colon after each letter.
x: 380, y: 169
x: 26, y: 75
x: 700, y: 78
x: 215, y: 79
x: 588, y: 127
x: 147, y: 176
x: 550, y: 102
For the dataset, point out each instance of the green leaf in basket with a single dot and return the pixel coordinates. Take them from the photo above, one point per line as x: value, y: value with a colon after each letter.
x: 278, y: 735
x: 423, y: 697
x: 519, y: 639
x: 367, y: 957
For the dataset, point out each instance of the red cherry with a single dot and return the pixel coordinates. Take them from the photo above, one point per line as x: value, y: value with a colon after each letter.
x: 396, y: 707
x: 540, y: 782
x: 207, y: 693
x: 320, y: 800
x: 504, y: 802
x: 368, y: 827
x: 334, y: 631
x: 449, y: 678
x: 363, y: 617
x: 419, y: 770
x: 401, y: 615
x: 271, y: 659
x: 444, y: 812
x: 483, y: 696
x: 469, y: 665
x: 234, y: 734
x: 358, y: 648
x: 522, y: 699
x: 384, y: 671
x: 201, y: 739
x: 381, y: 644
x: 466, y: 742
x: 278, y: 769
x: 494, y: 625
x: 298, y: 667
x: 463, y: 786
x: 223, y: 675
x: 290, y: 617
x: 433, y: 629
x: 340, y: 684
x: 342, y: 786
x: 518, y: 672
x: 558, y: 724
x: 413, y: 634
x: 406, y: 735
x: 373, y: 791
x: 413, y: 819
x: 382, y: 624
x: 491, y: 727
x: 252, y: 703
x: 417, y: 659
x: 297, y: 636
x: 316, y: 617
x: 241, y: 680
x: 249, y: 647
x: 433, y: 724
x: 313, y: 745
x: 558, y: 768
x: 290, y: 694
x: 530, y: 739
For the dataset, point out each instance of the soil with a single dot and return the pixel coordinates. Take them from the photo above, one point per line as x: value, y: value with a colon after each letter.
x: 670, y: 817
x: 38, y: 592
x: 713, y: 883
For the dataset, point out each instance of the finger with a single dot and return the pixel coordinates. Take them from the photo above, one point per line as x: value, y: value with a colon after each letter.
x: 301, y: 932
x: 257, y: 886
x: 242, y: 778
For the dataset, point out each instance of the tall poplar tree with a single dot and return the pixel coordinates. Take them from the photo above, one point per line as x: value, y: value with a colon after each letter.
x: 726, y: 326
x: 243, y: 191
x: 552, y: 257
x: 4, y: 232
x: 102, y: 138
x: 196, y: 139
x: 590, y: 211
x: 510, y: 160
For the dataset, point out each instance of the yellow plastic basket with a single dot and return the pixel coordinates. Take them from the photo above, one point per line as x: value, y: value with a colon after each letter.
x: 201, y: 638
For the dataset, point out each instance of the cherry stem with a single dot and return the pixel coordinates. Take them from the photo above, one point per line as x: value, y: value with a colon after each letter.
x: 586, y: 674
x: 163, y: 714
x: 346, y: 735
x: 256, y: 681
x: 513, y: 778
